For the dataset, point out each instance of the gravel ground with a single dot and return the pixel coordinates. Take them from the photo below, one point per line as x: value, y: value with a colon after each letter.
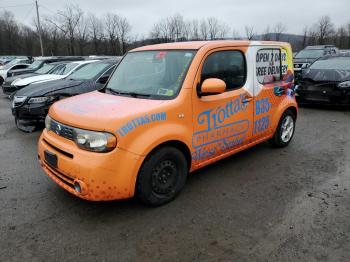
x: 262, y: 204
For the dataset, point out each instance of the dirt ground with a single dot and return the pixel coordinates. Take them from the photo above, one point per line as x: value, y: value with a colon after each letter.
x: 263, y: 204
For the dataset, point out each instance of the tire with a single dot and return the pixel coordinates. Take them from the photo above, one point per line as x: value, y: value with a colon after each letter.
x: 282, y: 136
x: 162, y: 176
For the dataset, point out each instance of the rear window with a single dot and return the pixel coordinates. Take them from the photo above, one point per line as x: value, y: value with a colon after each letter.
x: 271, y: 65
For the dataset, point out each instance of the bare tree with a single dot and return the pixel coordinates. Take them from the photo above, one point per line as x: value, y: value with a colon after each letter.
x: 235, y: 34
x: 67, y: 21
x: 324, y: 29
x: 82, y: 35
x: 267, y: 33
x: 111, y: 27
x: 348, y: 33
x: 194, y: 30
x: 95, y: 31
x: 176, y: 25
x: 278, y: 30
x: 161, y: 31
x: 204, y: 30
x: 213, y: 27
x: 305, y: 36
x: 124, y: 29
x: 70, y: 17
x: 249, y: 32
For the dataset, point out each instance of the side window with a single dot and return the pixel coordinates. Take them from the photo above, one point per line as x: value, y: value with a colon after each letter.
x: 108, y: 72
x: 271, y: 65
x: 229, y: 66
x: 19, y: 67
x: 103, y: 78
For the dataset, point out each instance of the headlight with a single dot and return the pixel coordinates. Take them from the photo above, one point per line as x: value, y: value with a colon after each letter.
x: 48, y: 122
x: 345, y: 84
x: 15, y: 81
x: 40, y: 99
x: 94, y: 141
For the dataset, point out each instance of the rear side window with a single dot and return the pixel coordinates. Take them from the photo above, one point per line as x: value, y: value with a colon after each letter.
x: 271, y: 65
x: 229, y: 66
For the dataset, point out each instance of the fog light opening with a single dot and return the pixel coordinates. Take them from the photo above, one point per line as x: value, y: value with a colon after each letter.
x: 77, y: 187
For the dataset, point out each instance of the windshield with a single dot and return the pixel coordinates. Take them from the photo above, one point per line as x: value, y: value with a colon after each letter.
x: 89, y: 71
x: 65, y: 69
x: 310, y: 53
x: 35, y: 64
x: 151, y: 73
x: 45, y: 69
x: 335, y: 63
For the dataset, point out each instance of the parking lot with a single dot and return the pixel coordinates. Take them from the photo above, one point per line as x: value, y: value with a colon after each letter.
x: 262, y: 204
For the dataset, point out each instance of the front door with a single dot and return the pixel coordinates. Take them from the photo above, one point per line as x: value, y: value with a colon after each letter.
x: 222, y: 122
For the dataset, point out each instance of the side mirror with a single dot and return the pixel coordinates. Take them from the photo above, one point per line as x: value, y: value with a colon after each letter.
x: 212, y: 86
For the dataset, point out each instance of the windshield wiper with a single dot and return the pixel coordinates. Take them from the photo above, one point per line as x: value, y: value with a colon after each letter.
x: 132, y: 94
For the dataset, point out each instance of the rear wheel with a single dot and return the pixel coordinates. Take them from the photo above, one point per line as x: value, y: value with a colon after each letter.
x: 285, y: 130
x: 162, y: 176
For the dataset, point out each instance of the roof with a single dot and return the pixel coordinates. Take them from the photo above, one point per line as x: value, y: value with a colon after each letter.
x: 319, y: 46
x: 110, y: 61
x: 195, y: 45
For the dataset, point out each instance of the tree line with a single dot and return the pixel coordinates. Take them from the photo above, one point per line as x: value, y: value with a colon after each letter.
x: 72, y: 32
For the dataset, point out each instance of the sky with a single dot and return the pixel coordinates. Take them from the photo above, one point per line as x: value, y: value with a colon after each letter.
x: 142, y: 14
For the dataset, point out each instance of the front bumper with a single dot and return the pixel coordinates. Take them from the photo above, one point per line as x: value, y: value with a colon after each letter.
x: 332, y: 97
x: 31, y: 112
x: 101, y: 176
x: 9, y: 89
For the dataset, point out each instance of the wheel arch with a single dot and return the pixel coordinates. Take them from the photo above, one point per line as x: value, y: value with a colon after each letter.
x: 293, y: 109
x: 180, y: 145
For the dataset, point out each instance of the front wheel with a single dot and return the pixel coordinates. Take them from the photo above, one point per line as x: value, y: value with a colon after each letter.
x: 162, y: 176
x: 285, y: 130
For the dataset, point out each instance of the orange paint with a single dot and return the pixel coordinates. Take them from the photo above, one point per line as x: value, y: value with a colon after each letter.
x: 211, y: 127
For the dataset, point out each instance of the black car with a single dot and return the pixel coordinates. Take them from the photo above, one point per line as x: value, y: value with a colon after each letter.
x: 30, y: 105
x: 310, y: 54
x: 47, y: 68
x: 39, y: 62
x: 326, y: 81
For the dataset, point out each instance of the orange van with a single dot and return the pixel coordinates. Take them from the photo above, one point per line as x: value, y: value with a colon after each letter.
x: 168, y: 110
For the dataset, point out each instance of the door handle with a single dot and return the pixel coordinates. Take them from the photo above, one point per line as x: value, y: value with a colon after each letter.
x: 247, y: 99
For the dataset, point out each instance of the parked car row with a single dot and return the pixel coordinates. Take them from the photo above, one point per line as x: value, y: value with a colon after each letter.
x: 49, y: 80
x: 322, y: 74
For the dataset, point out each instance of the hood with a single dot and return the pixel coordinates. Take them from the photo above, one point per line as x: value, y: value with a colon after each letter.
x: 36, y: 79
x: 100, y: 111
x: 40, y: 89
x: 9, y: 80
x: 326, y: 75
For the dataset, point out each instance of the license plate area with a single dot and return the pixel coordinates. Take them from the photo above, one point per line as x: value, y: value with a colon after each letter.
x: 50, y: 158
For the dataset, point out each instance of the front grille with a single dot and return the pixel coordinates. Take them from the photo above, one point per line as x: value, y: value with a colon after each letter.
x: 62, y: 130
x: 59, y: 175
